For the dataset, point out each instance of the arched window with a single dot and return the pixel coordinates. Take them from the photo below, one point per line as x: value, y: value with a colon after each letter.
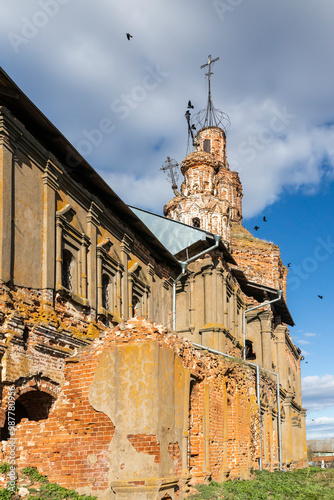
x: 196, y: 222
x: 66, y: 274
x: 206, y: 145
x: 105, y: 292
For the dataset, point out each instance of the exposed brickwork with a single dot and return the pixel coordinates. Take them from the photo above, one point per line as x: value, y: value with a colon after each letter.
x: 258, y: 259
x: 146, y: 444
x: 175, y: 454
x: 71, y: 445
x: 210, y: 192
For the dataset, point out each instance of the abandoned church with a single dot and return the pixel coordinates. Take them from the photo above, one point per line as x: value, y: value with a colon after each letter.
x: 145, y: 352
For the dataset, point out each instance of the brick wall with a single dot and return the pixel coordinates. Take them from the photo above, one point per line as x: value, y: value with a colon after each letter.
x: 72, y: 445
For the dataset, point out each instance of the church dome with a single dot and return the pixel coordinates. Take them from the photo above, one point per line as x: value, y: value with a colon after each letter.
x: 199, y: 159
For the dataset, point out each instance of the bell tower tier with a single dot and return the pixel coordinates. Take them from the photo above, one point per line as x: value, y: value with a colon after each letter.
x: 211, y: 193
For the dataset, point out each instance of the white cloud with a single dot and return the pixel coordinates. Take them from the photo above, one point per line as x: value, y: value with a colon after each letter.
x: 310, y: 334
x: 82, y: 61
x: 318, y: 392
x: 302, y: 342
x: 320, y: 428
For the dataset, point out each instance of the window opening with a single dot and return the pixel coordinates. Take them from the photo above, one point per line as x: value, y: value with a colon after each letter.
x: 66, y: 276
x: 206, y: 145
x: 196, y: 222
x: 250, y: 354
x: 135, y: 306
x: 105, y: 291
x: 32, y: 405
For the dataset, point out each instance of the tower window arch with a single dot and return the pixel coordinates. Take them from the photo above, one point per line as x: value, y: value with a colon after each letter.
x: 196, y: 222
x: 206, y: 145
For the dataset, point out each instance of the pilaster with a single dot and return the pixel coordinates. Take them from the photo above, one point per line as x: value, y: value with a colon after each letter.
x: 125, y: 256
x: 206, y: 429
x: 280, y: 332
x: 50, y: 187
x: 7, y: 161
x: 267, y: 357
x: 92, y: 225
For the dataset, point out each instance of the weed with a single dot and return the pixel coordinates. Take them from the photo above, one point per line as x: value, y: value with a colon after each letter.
x: 4, y: 467
x: 34, y: 475
x: 304, y: 484
x: 5, y: 494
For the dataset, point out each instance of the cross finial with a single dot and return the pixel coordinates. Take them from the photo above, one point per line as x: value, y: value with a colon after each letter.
x: 210, y: 61
x: 209, y: 117
x: 170, y: 167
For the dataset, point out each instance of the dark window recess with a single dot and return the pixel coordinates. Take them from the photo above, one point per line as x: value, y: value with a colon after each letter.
x: 135, y: 306
x: 250, y: 354
x: 32, y: 405
x: 105, y: 291
x: 66, y: 276
x: 196, y: 222
x: 206, y: 145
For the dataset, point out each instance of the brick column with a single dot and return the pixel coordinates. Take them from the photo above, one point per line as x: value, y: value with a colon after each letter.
x: 206, y: 429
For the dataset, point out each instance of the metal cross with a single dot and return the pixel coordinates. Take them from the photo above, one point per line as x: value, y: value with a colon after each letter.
x: 209, y: 73
x: 170, y: 168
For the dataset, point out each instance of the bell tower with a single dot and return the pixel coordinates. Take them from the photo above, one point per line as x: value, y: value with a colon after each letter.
x: 211, y: 193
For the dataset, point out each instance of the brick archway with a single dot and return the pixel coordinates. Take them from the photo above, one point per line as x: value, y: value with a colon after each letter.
x: 46, y: 389
x: 33, y: 405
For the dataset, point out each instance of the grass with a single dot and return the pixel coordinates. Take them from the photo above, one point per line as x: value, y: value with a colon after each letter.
x: 40, y: 488
x: 304, y: 484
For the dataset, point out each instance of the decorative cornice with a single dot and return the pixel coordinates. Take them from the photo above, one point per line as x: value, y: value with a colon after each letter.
x: 50, y: 177
x: 126, y: 243
x: 94, y: 213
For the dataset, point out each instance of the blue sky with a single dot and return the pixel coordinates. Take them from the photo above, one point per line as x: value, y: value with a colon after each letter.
x: 121, y: 103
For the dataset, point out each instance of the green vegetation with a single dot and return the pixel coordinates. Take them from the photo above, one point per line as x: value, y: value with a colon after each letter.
x: 34, y: 475
x: 304, y: 484
x: 5, y: 494
x: 43, y: 490
x: 4, y: 468
x: 51, y: 491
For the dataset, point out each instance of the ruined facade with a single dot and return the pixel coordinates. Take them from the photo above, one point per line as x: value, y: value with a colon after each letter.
x: 108, y: 399
x: 210, y: 198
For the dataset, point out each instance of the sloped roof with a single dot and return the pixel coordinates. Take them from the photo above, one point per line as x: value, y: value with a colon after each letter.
x: 181, y: 240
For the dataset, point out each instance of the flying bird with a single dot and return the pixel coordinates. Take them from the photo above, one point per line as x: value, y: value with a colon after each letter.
x: 190, y: 106
x: 264, y: 219
x: 288, y: 264
x: 320, y: 296
x: 128, y: 36
x: 256, y: 228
